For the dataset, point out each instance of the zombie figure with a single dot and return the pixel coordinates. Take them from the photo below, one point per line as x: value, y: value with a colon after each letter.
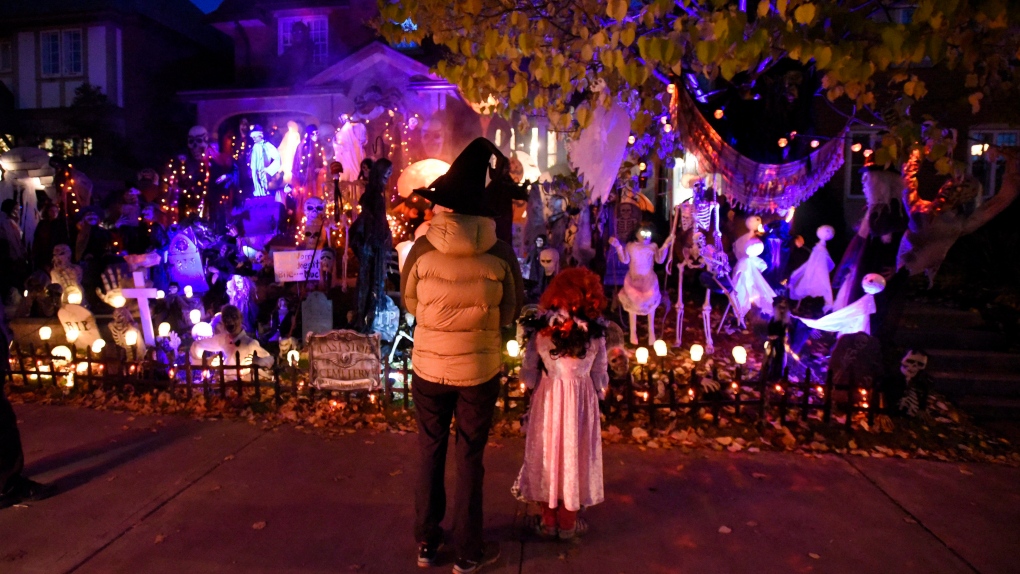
x: 309, y: 161
x: 241, y: 294
x: 532, y: 269
x: 936, y: 225
x: 230, y: 340
x: 316, y: 229
x: 66, y: 274
x: 43, y: 299
x: 282, y: 321
x: 548, y: 267
x: 372, y: 242
x: 640, y: 294
x: 265, y: 164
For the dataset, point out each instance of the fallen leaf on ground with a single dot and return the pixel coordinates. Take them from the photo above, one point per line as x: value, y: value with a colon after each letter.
x: 159, y: 539
x: 215, y: 488
x: 111, y: 478
x: 751, y: 523
x: 967, y: 472
x: 396, y: 472
x: 759, y: 475
x: 909, y: 520
x: 228, y: 457
x: 813, y: 555
x: 259, y: 525
x: 724, y: 440
x: 725, y: 530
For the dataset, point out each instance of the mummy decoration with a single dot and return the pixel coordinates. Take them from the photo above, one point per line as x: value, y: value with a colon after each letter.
x: 855, y: 317
x: 812, y: 278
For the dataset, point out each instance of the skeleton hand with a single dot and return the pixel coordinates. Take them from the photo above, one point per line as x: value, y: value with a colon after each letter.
x: 709, y: 386
x: 111, y: 291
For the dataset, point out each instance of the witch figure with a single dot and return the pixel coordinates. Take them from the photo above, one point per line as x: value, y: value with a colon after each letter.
x: 372, y: 242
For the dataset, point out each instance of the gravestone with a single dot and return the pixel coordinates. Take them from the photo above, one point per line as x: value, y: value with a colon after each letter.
x: 345, y: 361
x: 316, y: 314
x: 80, y: 318
x: 856, y: 358
x: 186, y: 264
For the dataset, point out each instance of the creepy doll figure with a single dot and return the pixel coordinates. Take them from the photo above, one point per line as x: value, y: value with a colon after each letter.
x: 812, y: 278
x: 565, y: 363
x: 241, y: 293
x: 749, y: 285
x: 640, y: 294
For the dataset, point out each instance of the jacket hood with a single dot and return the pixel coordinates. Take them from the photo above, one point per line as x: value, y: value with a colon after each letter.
x: 459, y: 234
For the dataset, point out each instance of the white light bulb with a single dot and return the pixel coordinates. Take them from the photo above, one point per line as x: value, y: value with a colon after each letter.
x: 697, y: 352
x: 97, y: 345
x: 196, y: 316
x: 293, y: 357
x: 45, y: 333
x: 188, y: 291
x: 740, y: 355
x: 641, y: 355
x: 660, y: 348
x: 164, y: 329
x: 160, y: 294
x: 513, y: 348
x: 131, y: 338
x: 74, y: 297
x: 72, y: 334
x: 118, y: 301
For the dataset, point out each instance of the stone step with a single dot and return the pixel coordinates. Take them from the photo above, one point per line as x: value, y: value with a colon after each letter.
x: 918, y: 315
x: 967, y: 360
x: 991, y: 408
x: 950, y: 338
x: 960, y: 384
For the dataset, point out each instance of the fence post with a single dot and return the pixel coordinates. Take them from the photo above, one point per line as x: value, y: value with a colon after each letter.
x: 206, y: 390
x: 276, y: 386
x: 240, y: 381
x: 827, y: 399
x: 851, y: 398
x: 407, y: 383
x: 805, y: 395
x: 189, y: 379
x: 255, y: 375
x: 763, y: 397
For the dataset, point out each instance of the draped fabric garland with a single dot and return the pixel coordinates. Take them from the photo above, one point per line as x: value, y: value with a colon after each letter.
x: 757, y: 187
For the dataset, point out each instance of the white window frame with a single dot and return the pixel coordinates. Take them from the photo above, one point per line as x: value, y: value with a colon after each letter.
x: 318, y: 27
x: 64, y: 49
x: 849, y: 170
x: 978, y: 138
x: 6, y: 56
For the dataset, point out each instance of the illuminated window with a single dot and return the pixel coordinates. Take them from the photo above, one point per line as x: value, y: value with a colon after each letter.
x: 987, y: 172
x: 318, y: 31
x: 858, y: 147
x: 61, y: 53
x: 550, y: 148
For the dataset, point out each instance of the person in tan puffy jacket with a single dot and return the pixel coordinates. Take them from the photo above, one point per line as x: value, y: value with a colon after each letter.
x: 462, y: 285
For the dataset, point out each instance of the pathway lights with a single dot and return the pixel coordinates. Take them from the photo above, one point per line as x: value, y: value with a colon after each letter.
x: 97, y: 345
x: 188, y: 291
x: 164, y: 329
x: 45, y: 333
x: 196, y: 316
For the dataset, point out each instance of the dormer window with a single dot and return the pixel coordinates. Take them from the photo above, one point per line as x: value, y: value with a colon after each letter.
x: 317, y: 29
x: 61, y: 53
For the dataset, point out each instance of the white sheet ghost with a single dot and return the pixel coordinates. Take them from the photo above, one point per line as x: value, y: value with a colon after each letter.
x: 599, y: 151
x: 855, y: 317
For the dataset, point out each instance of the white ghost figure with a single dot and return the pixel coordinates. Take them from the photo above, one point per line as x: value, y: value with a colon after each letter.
x: 349, y: 149
x: 753, y: 224
x: 812, y: 278
x: 855, y: 317
x: 750, y: 289
x: 599, y: 151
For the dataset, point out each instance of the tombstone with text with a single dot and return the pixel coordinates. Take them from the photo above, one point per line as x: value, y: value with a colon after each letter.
x: 345, y: 361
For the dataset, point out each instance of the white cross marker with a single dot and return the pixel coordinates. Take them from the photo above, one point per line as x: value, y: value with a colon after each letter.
x: 143, y: 295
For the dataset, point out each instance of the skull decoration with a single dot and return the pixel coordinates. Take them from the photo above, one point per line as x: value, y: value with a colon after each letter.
x: 315, y: 211
x: 913, y: 363
x: 61, y: 255
x: 619, y: 362
x: 198, y: 142
x: 549, y: 259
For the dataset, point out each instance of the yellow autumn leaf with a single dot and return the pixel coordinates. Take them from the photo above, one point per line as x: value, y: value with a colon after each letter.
x: 518, y: 92
x: 975, y: 102
x: 587, y: 53
x: 763, y: 8
x: 628, y: 34
x: 616, y: 9
x: 805, y: 13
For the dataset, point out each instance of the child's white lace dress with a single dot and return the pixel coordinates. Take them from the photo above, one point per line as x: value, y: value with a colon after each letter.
x: 563, y: 450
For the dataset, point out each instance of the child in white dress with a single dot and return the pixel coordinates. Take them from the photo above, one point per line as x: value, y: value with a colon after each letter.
x: 565, y: 363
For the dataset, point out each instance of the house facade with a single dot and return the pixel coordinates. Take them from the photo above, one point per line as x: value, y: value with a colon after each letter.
x: 131, y: 56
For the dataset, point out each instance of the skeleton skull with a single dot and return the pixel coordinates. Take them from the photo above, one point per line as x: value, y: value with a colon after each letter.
x: 549, y: 259
x: 315, y: 211
x: 913, y: 363
x: 198, y: 142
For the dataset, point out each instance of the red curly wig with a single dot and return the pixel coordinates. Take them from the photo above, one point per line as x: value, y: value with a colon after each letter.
x: 577, y: 291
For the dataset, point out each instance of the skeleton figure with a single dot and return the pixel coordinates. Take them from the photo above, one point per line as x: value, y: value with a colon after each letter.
x: 640, y: 294
x: 66, y: 274
x: 917, y: 383
x: 198, y: 142
x: 111, y: 293
x: 314, y: 223
x: 692, y: 260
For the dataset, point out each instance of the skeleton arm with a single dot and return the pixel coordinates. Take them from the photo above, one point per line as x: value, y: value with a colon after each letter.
x: 1006, y: 195
x: 660, y: 255
x: 620, y: 251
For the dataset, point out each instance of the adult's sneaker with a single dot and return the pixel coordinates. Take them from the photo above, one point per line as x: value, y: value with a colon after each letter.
x: 490, y: 554
x: 427, y: 552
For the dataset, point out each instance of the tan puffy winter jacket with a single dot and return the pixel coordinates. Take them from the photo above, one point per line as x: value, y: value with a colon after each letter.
x: 462, y: 285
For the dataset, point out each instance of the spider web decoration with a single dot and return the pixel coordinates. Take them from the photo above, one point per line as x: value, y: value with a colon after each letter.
x: 758, y: 187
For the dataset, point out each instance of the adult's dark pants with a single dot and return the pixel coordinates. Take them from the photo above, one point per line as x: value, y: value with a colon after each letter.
x: 12, y: 458
x: 435, y: 405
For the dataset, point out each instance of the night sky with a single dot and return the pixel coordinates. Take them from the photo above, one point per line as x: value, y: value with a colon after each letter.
x: 207, y: 5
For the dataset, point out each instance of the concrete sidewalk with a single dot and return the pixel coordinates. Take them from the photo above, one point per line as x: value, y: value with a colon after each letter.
x: 148, y: 494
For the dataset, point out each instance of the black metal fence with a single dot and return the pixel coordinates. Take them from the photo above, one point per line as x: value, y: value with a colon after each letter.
x: 640, y: 391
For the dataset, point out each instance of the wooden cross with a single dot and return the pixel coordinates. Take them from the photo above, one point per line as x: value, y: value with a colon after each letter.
x: 143, y: 295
